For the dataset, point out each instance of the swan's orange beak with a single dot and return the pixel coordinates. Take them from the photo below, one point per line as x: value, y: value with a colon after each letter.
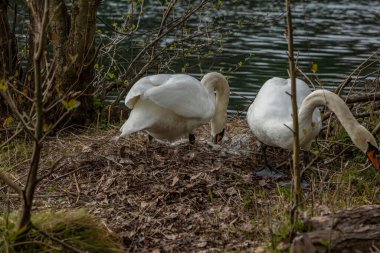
x: 218, y: 137
x: 372, y: 156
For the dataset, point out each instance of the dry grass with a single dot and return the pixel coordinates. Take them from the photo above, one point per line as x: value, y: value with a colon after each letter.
x: 59, y: 232
x: 183, y: 198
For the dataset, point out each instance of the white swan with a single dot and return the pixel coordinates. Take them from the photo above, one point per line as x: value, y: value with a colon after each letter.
x: 169, y: 106
x: 269, y: 117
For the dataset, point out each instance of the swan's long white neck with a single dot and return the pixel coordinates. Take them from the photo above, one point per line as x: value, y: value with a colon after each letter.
x: 218, y: 83
x: 357, y: 132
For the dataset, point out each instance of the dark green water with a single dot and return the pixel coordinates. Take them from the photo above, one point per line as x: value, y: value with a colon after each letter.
x: 336, y: 35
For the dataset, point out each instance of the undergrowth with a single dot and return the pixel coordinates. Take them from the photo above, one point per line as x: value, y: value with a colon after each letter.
x: 51, y: 231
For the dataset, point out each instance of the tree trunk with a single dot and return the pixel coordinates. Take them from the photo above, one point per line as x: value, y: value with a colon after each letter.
x: 356, y: 230
x: 73, y: 41
x: 9, y: 68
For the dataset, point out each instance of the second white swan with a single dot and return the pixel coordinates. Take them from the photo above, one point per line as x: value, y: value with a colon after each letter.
x: 269, y: 117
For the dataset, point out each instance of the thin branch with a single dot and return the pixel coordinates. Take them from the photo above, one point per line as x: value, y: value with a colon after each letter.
x: 296, y: 145
x: 52, y: 169
x: 10, y: 183
x: 288, y: 127
x: 304, y: 75
x: 176, y: 24
x: 340, y: 88
x: 63, y: 116
x: 163, y: 21
x: 11, y: 138
x: 15, y: 110
x: 362, y: 98
x: 376, y: 129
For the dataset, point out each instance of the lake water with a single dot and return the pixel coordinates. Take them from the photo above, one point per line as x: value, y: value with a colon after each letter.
x: 336, y: 35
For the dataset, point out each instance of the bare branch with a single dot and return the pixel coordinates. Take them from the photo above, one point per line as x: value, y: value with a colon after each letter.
x: 11, y: 138
x: 340, y: 88
x: 296, y: 201
x: 376, y: 129
x: 15, y: 110
x: 63, y: 116
x: 52, y: 169
x: 362, y: 98
x: 169, y: 29
x: 10, y: 183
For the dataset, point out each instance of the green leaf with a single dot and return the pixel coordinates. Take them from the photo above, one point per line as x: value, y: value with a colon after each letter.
x: 3, y: 85
x: 47, y: 127
x: 8, y: 121
x: 71, y: 104
x: 314, y: 68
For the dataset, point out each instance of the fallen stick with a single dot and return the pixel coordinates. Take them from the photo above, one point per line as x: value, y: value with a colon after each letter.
x: 362, y: 98
x: 355, y: 230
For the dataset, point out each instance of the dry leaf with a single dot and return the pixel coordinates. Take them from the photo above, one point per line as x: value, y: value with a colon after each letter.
x: 196, y: 176
x: 201, y: 244
x: 231, y: 191
x: 263, y: 182
x: 144, y: 204
x: 175, y: 180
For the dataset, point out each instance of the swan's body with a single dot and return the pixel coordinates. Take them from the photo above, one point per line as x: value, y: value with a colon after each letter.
x: 270, y: 115
x: 271, y: 111
x: 169, y: 106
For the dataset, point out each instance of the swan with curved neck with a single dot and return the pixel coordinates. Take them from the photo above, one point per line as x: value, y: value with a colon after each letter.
x: 269, y: 117
x: 169, y: 106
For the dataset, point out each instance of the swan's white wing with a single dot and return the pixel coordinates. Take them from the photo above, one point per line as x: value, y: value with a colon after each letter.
x: 142, y: 85
x: 184, y: 95
x: 270, y: 115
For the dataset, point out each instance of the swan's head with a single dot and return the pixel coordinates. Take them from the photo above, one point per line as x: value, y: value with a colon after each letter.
x: 372, y: 153
x: 218, y: 123
x: 365, y: 141
x: 215, y: 82
x: 216, y: 139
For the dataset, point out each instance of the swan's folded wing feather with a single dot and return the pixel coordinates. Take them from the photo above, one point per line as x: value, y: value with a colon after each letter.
x: 142, y: 85
x: 185, y: 96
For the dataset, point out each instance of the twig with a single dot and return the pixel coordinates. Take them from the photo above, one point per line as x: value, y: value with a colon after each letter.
x: 338, y: 155
x: 304, y: 75
x: 10, y: 183
x: 376, y: 129
x: 11, y: 138
x: 68, y: 173
x: 340, y: 88
x: 296, y: 177
x: 177, y: 23
x: 78, y: 189
x: 366, y: 114
x: 362, y: 98
x: 19, y: 116
x: 52, y: 169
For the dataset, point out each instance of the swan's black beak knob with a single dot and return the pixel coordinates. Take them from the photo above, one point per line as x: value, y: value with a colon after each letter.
x: 372, y: 153
x: 218, y: 137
